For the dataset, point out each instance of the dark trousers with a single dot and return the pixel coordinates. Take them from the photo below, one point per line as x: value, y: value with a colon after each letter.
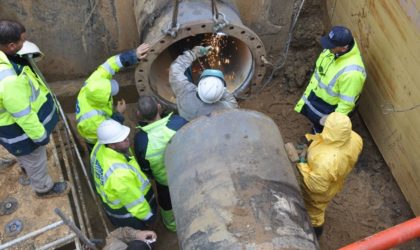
x: 164, y: 198
x: 318, y: 231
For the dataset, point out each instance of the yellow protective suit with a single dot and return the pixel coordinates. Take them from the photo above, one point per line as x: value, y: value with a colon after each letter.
x: 331, y: 157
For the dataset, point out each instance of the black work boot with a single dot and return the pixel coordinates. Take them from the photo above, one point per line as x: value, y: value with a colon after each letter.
x: 58, y: 189
x: 318, y: 231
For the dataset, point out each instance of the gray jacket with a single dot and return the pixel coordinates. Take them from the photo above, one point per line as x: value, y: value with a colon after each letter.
x: 120, y: 237
x: 188, y: 103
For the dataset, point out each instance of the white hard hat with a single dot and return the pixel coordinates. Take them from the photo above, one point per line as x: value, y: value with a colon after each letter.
x: 31, y: 48
x: 210, y: 89
x: 110, y: 131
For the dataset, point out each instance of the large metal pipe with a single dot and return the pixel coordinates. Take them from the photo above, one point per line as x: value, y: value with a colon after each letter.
x: 233, y: 187
x: 239, y: 54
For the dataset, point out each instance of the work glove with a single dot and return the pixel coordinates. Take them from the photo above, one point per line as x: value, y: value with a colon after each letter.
x: 200, y: 51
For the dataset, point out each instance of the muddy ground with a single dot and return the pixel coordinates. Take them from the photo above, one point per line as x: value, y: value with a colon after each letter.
x: 371, y: 200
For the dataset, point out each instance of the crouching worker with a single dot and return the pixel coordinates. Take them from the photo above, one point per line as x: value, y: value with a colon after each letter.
x: 331, y: 157
x: 210, y: 94
x: 124, y: 189
x: 150, y: 144
x: 95, y: 99
x: 127, y: 238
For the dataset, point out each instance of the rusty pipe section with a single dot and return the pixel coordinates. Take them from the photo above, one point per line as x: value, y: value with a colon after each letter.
x: 239, y: 54
x: 233, y: 187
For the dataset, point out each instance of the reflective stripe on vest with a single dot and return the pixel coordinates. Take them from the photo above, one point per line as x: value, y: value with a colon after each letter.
x: 312, y: 108
x: 43, y: 137
x: 331, y: 84
x: 108, y: 67
x: 35, y: 92
x: 126, y: 216
x: 119, y: 216
x: 118, y: 60
x: 116, y: 166
x: 109, y: 173
x: 90, y: 114
x: 25, y: 136
x: 6, y: 73
x: 21, y: 113
x: 92, y: 163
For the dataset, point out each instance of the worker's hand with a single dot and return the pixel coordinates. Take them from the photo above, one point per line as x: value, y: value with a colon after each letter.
x: 200, y: 51
x: 146, y: 235
x: 141, y: 50
x: 121, y: 107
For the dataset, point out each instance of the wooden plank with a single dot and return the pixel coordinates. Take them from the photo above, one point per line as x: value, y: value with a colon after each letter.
x: 388, y: 33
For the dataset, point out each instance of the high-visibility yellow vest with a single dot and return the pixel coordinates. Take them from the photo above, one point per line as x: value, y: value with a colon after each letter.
x: 94, y: 102
x: 27, y: 110
x: 120, y: 183
x: 337, y: 81
x: 158, y: 137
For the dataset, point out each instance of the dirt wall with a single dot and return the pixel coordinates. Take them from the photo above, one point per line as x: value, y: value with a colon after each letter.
x: 270, y: 19
x: 75, y: 35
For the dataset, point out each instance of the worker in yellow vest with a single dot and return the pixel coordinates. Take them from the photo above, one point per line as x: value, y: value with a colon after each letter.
x: 95, y: 102
x: 150, y: 143
x: 337, y: 81
x: 27, y: 110
x: 331, y: 156
x: 124, y: 189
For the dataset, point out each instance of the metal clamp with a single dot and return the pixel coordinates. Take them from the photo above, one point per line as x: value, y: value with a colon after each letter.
x: 171, y: 31
x: 219, y: 24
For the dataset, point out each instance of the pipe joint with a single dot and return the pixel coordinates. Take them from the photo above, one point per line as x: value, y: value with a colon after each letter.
x: 220, y: 21
x: 171, y: 30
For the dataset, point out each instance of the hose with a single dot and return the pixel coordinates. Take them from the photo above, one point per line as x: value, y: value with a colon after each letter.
x: 282, y: 59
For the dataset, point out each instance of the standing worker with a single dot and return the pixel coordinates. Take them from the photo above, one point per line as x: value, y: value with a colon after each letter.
x: 331, y: 157
x: 149, y: 146
x: 338, y: 79
x: 27, y: 110
x: 124, y: 189
x: 95, y: 102
x: 210, y: 94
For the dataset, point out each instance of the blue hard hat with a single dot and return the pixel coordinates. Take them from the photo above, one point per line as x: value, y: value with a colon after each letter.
x: 213, y: 72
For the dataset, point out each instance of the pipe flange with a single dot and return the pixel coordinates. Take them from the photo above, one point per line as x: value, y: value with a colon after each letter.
x: 163, y: 42
x: 13, y: 228
x: 171, y: 31
x: 8, y: 206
